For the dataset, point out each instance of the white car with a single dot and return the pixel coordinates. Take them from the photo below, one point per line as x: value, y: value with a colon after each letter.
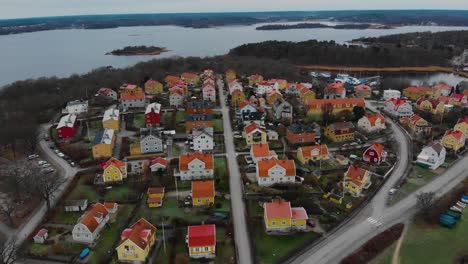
x: 42, y: 162
x: 45, y: 165
x: 33, y: 156
x: 60, y: 154
x: 392, y: 191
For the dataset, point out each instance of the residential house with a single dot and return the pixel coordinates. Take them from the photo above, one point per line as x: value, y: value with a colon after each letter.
x: 107, y: 93
x: 75, y: 205
x: 202, y: 139
x: 272, y: 135
x: 246, y: 107
x: 261, y: 151
x: 76, y: 107
x: 176, y: 97
x: 67, y: 126
x: 282, y: 109
x: 199, y: 107
x: 181, y: 85
x: 454, y: 140
x: 90, y: 224
x: 254, y: 134
x: 273, y: 96
x: 136, y: 242
x: 306, y: 95
x: 417, y: 124
x: 153, y: 115
x: 129, y: 88
x: 196, y: 166
x: 230, y: 75
x: 203, y: 193
x: 132, y: 100
x: 155, y: 196
x: 103, y: 143
x: 150, y: 141
x: 275, y: 171
x: 312, y: 153
x: 279, y: 216
x: 293, y: 89
x: 432, y: 156
x: 255, y: 79
x: 208, y: 73
x: 335, y: 106
x: 266, y: 87
x: 372, y: 123
x: 458, y: 99
x: 433, y: 106
x: 416, y: 92
x: 111, y: 119
x: 153, y: 87
x: 170, y: 80
x: 190, y: 78
x: 235, y: 85
x: 157, y: 164
x: 254, y: 117
x: 41, y: 236
x: 462, y: 125
x: 445, y: 89
x: 237, y: 97
x: 398, y: 108
x: 340, y: 131
x: 197, y: 121
x: 112, y: 208
x: 300, y: 133
x: 375, y: 153
x: 356, y: 179
x: 114, y: 171
x: 363, y: 91
x: 201, y: 241
x: 209, y: 92
x: 391, y: 94
x: 334, y: 90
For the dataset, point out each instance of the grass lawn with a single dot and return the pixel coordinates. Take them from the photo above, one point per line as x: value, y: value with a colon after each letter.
x: 110, y: 234
x: 94, y: 126
x: 283, y: 245
x: 117, y: 193
x: 180, y: 116
x: 385, y: 257
x: 220, y: 165
x: 218, y: 125
x: 139, y: 120
x: 64, y: 248
x: 66, y: 218
x: 417, y: 178
x: 39, y: 249
x: 176, y: 151
x: 435, y: 244
x: 84, y: 191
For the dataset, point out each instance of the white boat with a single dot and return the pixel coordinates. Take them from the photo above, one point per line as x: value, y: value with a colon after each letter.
x: 454, y: 208
x: 462, y: 205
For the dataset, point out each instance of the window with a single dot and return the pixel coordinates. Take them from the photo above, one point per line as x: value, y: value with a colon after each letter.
x: 207, y: 249
x: 284, y: 222
x: 197, y: 249
x: 273, y: 223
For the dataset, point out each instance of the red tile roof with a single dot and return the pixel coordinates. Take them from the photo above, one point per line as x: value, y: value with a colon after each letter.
x: 203, y: 189
x: 355, y: 173
x: 463, y: 120
x: 89, y: 220
x: 188, y: 75
x: 379, y: 148
x: 201, y: 235
x: 335, y: 87
x: 41, y: 232
x: 171, y: 79
x: 278, y: 209
x: 374, y: 117
x: 307, y: 150
x: 362, y: 88
x: 342, y: 102
x: 299, y: 213
x: 265, y: 164
x: 185, y: 159
x: 132, y: 96
x: 115, y: 162
x: 156, y: 190
x: 260, y: 150
x: 139, y: 233
x: 252, y: 127
x: 458, y: 135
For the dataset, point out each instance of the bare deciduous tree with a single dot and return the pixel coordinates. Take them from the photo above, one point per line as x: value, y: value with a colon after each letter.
x: 7, y: 208
x: 8, y: 252
x: 16, y: 177
x: 425, y: 201
x: 47, y: 186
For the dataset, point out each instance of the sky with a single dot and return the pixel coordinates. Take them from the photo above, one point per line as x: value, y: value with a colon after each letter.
x: 39, y: 8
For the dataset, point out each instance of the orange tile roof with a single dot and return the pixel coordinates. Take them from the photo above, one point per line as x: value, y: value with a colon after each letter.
x: 185, y: 159
x: 265, y: 164
x: 254, y: 77
x: 89, y: 220
x: 113, y: 161
x: 335, y: 102
x: 463, y: 120
x: 458, y: 135
x: 374, y: 117
x: 188, y: 75
x: 307, y: 150
x: 158, y: 160
x: 363, y: 87
x: 299, y: 213
x: 443, y: 86
x: 260, y: 150
x: 151, y: 82
x: 379, y: 148
x: 243, y: 103
x: 109, y: 205
x: 397, y: 102
x: 417, y: 89
x: 278, y: 209
x: 156, y: 190
x: 355, y: 173
x: 252, y: 127
x: 412, y: 120
x: 335, y: 87
x: 139, y: 233
x: 176, y: 91
x: 132, y: 96
x: 444, y: 99
x: 171, y: 78
x: 203, y: 189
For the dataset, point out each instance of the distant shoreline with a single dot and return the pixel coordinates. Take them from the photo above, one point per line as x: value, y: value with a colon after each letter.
x: 320, y: 25
x: 138, y: 51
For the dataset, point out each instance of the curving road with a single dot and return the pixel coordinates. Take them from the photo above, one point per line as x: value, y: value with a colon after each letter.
x: 376, y: 216
x: 241, y: 237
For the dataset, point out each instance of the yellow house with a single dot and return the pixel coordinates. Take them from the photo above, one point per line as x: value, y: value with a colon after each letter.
x: 155, y: 196
x: 153, y: 87
x: 111, y: 119
x: 278, y: 216
x: 203, y: 193
x: 335, y: 198
x: 103, y: 144
x: 356, y: 179
x: 273, y: 96
x: 453, y: 140
x: 341, y: 131
x: 318, y: 106
x: 312, y: 153
x: 130, y: 88
x: 230, y: 75
x: 114, y: 171
x: 417, y: 124
x: 136, y: 242
x: 237, y: 97
x: 190, y: 78
x: 414, y: 93
x: 201, y: 241
x: 306, y: 95
x: 462, y: 125
x: 433, y: 106
x: 255, y: 134
x: 255, y: 79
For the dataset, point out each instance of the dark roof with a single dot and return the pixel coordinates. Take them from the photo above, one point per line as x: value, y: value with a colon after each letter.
x: 200, y: 104
x: 144, y: 132
x: 280, y: 102
x: 298, y: 128
x: 98, y: 137
x: 436, y: 146
x: 246, y: 116
x: 198, y: 117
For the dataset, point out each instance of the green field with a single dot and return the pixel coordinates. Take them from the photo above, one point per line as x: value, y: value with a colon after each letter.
x: 85, y: 191
x: 180, y: 116
x: 218, y: 125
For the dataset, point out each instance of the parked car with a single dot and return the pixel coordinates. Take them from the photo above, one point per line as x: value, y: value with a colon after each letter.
x: 41, y: 162
x: 392, y: 191
x: 45, y: 165
x: 60, y: 154
x: 33, y: 156
x: 248, y: 159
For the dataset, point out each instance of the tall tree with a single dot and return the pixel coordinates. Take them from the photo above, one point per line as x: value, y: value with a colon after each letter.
x: 425, y: 201
x: 47, y: 186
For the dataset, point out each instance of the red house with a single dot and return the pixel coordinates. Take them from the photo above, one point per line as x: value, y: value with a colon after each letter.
x: 375, y: 153
x: 153, y: 114
x: 67, y: 126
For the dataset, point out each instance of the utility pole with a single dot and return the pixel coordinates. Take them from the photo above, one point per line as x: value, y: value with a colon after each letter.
x: 164, y: 237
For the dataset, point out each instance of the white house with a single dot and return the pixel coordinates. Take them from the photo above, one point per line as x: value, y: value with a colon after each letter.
x: 150, y: 141
x: 107, y: 93
x: 399, y: 108
x: 76, y: 107
x: 196, y: 166
x: 202, y: 139
x: 432, y: 156
x: 372, y: 123
x: 266, y: 87
x: 76, y: 205
x: 245, y: 107
x: 235, y: 85
x: 132, y: 100
x: 90, y: 224
x: 274, y: 171
x: 176, y: 98
x: 41, y: 236
x: 391, y: 94
x: 209, y: 92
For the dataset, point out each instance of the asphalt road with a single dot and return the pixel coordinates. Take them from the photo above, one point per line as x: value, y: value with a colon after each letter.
x: 377, y: 216
x: 241, y: 237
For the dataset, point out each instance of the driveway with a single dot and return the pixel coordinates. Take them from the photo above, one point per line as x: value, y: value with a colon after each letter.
x: 244, y: 253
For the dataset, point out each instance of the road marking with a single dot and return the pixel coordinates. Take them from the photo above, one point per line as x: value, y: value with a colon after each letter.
x: 374, y: 221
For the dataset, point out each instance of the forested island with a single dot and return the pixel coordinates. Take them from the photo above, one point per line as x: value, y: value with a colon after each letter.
x: 320, y: 25
x: 138, y: 50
